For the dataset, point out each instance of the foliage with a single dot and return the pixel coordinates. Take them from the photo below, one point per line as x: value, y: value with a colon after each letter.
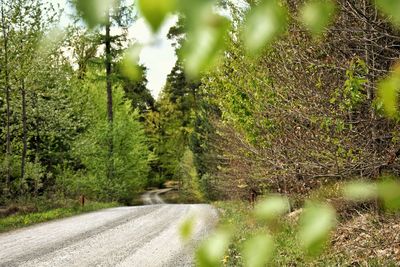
x: 190, y: 185
x: 304, y: 110
x: 130, y: 152
x: 287, y: 249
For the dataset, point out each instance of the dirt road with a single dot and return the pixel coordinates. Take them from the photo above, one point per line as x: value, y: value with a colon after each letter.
x: 154, y: 196
x: 125, y: 236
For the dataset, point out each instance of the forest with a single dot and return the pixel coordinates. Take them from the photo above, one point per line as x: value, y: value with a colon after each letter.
x: 273, y: 97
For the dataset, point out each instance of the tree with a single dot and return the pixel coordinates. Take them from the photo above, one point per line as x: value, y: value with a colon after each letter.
x: 111, y: 13
x: 5, y: 31
x: 137, y: 92
x: 131, y: 154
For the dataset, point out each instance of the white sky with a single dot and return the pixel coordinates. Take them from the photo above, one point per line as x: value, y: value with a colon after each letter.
x: 158, y: 55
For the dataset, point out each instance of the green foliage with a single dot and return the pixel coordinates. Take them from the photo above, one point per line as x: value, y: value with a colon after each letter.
x: 271, y: 207
x: 389, y: 192
x: 94, y: 12
x: 353, y: 93
x: 137, y: 92
x: 23, y: 220
x: 130, y: 152
x: 187, y: 173
x: 263, y: 24
x: 279, y: 248
x: 391, y: 8
x: 155, y: 11
x: 360, y: 191
x: 205, y: 42
x: 270, y: 122
x: 317, y: 15
x: 316, y: 223
x: 170, y: 127
x: 129, y: 65
x: 212, y: 250
x: 388, y: 94
x: 258, y: 251
x: 186, y: 228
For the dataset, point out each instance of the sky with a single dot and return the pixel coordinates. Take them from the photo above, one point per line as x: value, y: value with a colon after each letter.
x: 158, y: 55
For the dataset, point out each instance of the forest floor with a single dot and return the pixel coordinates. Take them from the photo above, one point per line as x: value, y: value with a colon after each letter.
x: 362, y: 239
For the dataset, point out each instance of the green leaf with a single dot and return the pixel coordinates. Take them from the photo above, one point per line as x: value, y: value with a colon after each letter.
x: 390, y: 8
x: 316, y: 15
x: 271, y: 207
x: 211, y: 252
x: 316, y: 223
x: 205, y: 42
x: 186, y: 228
x: 389, y: 192
x: 155, y: 11
x: 258, y: 250
x: 94, y: 12
x: 388, y: 93
x: 263, y: 24
x: 130, y: 63
x: 360, y: 191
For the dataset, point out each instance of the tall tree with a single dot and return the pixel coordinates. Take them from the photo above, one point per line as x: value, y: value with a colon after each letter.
x: 110, y: 117
x: 5, y: 29
x: 111, y: 13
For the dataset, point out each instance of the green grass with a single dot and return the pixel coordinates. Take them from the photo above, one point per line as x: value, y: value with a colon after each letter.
x: 287, y: 252
x: 22, y: 220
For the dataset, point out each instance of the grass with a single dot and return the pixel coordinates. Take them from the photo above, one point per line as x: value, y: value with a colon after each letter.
x: 44, y: 213
x: 288, y: 252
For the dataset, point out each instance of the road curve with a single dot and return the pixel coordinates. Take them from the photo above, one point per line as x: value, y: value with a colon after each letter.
x: 153, y: 197
x: 125, y: 236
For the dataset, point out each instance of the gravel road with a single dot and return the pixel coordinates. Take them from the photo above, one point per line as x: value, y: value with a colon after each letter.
x: 126, y: 236
x: 154, y: 196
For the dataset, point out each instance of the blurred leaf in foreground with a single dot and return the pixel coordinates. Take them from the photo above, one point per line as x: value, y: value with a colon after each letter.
x: 316, y: 15
x: 316, y: 223
x: 360, y: 191
x: 155, y: 11
x: 211, y: 251
x: 258, y: 250
x: 186, y: 228
x: 205, y: 40
x: 206, y: 37
x: 51, y: 41
x: 388, y: 93
x: 264, y: 22
x: 390, y: 8
x: 94, y: 12
x: 271, y: 207
x: 389, y: 192
x: 130, y: 63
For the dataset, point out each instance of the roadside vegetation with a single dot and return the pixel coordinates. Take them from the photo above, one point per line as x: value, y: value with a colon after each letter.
x: 22, y: 214
x: 360, y: 239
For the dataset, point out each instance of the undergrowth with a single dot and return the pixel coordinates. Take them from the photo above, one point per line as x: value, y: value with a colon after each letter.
x: 238, y: 214
x: 43, y: 211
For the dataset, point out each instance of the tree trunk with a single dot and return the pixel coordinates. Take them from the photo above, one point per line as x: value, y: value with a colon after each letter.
x: 109, y: 99
x: 7, y: 88
x: 24, y: 129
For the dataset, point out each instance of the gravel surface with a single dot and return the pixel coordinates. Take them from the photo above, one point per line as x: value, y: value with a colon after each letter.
x: 153, y: 197
x: 126, y: 236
